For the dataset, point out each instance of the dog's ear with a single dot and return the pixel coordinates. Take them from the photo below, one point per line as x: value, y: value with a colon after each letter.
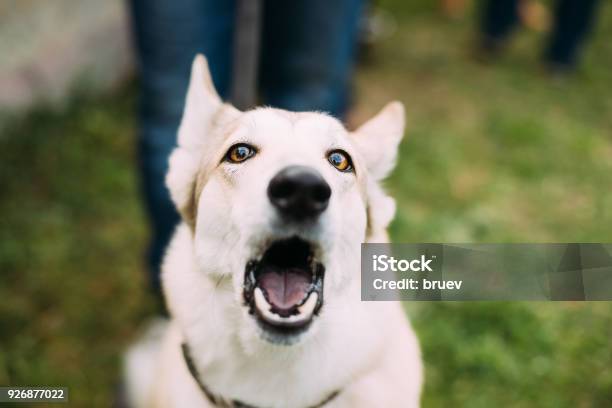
x: 377, y: 140
x: 196, y: 136
x: 202, y: 106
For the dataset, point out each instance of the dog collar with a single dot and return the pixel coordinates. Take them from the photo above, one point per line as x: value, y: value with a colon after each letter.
x: 221, y: 402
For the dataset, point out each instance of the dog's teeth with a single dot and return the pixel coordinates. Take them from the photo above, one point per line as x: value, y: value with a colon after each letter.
x: 308, y: 307
x: 266, y: 309
x: 305, y: 310
x: 260, y: 300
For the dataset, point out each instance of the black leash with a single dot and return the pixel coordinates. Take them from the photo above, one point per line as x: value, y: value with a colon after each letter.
x: 245, y: 66
x: 221, y: 402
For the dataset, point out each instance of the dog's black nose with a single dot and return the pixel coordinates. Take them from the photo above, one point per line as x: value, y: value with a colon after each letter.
x: 299, y: 192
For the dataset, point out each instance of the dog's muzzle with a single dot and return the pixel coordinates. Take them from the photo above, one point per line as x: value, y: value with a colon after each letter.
x: 284, y: 289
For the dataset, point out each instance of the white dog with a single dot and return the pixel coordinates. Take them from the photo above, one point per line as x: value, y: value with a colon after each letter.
x: 262, y: 278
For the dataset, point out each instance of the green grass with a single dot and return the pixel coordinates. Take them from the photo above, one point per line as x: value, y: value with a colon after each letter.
x: 495, y: 153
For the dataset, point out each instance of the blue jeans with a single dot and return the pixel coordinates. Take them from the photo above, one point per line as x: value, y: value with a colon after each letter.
x: 307, y: 54
x: 573, y: 22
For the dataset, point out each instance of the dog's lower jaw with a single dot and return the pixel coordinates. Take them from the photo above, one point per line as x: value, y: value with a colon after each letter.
x: 279, y: 336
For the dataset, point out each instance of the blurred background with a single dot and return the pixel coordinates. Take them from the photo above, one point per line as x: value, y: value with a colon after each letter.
x: 500, y: 147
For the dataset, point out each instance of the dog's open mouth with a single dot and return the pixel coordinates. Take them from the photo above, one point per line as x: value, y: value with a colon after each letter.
x: 284, y: 289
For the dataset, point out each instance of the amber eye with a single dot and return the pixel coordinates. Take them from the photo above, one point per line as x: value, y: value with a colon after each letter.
x: 340, y: 160
x: 239, y: 153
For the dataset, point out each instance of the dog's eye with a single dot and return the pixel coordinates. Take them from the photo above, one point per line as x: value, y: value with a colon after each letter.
x: 340, y: 160
x: 239, y: 153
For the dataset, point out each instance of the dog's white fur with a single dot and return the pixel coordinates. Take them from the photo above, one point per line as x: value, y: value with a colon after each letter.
x: 366, y: 350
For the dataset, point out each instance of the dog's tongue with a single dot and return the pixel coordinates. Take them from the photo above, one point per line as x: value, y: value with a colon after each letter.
x: 285, y: 287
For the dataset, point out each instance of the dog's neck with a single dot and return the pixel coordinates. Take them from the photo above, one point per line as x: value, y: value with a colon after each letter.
x: 220, y: 401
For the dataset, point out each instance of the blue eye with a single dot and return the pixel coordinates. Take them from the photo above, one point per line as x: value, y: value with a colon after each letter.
x: 340, y: 160
x: 239, y: 153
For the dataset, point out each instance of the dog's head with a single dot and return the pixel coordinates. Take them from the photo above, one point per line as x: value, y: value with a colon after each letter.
x: 278, y: 204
